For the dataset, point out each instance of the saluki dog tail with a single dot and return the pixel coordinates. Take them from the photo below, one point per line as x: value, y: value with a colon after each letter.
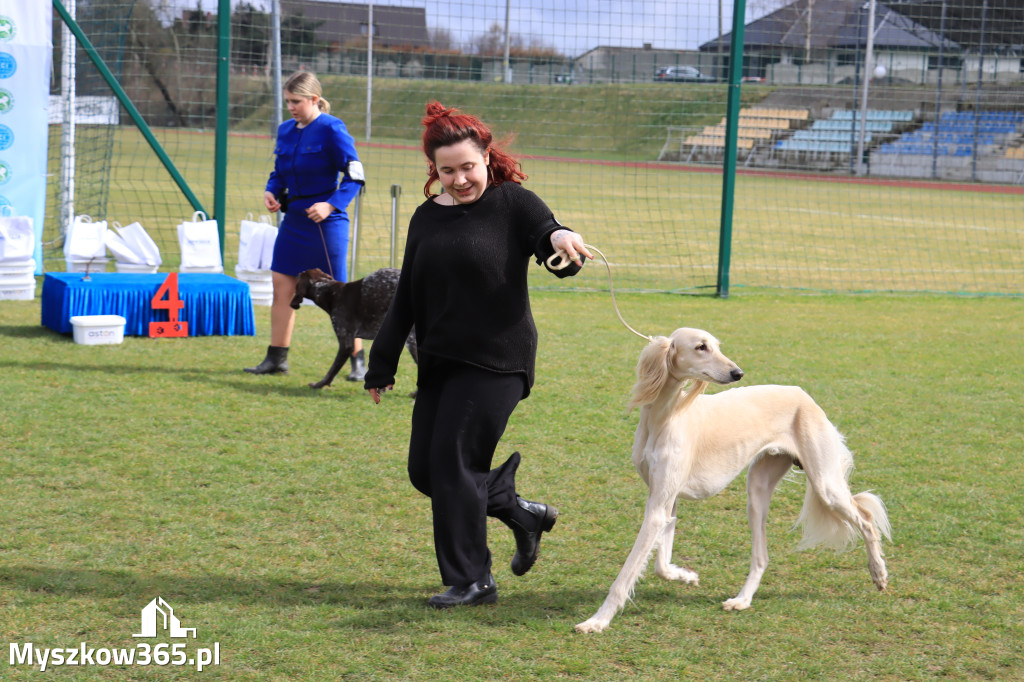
x: 823, y: 524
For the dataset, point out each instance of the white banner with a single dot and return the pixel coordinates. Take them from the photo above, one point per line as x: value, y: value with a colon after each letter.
x: 25, y: 55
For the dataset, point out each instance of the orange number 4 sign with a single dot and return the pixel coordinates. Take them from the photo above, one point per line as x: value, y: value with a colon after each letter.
x: 172, y: 304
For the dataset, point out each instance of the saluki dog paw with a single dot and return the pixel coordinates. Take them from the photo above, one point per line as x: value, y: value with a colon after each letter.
x: 679, y: 573
x: 736, y: 604
x: 592, y: 625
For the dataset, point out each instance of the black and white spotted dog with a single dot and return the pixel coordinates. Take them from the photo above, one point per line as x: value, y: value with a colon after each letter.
x: 356, y: 309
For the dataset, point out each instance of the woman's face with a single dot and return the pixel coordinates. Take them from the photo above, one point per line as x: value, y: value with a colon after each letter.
x: 302, y: 109
x: 462, y: 169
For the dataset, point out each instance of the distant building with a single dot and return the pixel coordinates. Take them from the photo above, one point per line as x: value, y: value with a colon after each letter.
x: 344, y: 23
x: 821, y: 41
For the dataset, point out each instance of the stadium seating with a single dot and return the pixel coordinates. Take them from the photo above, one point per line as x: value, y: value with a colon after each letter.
x: 958, y: 133
x: 840, y: 133
x: 756, y: 125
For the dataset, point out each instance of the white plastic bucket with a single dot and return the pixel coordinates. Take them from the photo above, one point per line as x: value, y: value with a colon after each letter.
x: 94, y: 330
x: 211, y: 269
x: 18, y: 267
x: 10, y: 280
x: 17, y: 293
x: 135, y: 267
x: 94, y: 265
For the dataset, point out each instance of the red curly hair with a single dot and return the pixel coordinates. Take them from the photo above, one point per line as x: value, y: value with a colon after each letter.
x: 446, y: 127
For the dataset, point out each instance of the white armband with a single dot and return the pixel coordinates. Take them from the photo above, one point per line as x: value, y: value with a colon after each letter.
x: 355, y: 171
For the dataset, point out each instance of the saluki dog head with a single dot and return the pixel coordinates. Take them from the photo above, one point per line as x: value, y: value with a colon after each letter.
x: 305, y: 285
x: 687, y: 355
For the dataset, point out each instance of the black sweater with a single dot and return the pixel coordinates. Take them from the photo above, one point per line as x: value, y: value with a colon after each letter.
x: 464, y: 284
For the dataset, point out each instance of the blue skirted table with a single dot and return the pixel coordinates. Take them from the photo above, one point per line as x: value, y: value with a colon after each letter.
x: 215, y: 305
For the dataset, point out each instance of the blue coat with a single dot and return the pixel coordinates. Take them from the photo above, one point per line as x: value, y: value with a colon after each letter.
x: 307, y: 164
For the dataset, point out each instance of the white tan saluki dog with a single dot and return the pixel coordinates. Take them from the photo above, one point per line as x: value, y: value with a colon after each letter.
x: 691, y: 446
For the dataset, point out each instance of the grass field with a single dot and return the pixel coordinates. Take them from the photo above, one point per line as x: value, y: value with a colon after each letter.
x: 278, y: 521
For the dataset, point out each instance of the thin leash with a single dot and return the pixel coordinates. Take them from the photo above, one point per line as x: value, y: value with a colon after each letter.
x: 560, y: 260
x: 327, y: 254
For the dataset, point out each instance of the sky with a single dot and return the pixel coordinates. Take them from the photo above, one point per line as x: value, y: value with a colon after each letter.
x: 572, y: 26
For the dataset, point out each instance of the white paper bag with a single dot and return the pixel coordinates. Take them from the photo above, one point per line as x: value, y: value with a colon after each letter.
x: 123, y: 253
x: 17, y: 238
x: 141, y: 244
x: 84, y: 239
x: 200, y: 243
x: 256, y: 243
x: 250, y: 244
x: 268, y: 237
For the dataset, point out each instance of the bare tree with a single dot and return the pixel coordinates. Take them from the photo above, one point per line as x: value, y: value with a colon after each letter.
x: 492, y: 43
x: 440, y: 38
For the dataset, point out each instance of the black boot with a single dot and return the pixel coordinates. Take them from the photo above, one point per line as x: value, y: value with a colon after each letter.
x: 480, y: 592
x: 358, y: 372
x: 276, y: 361
x: 527, y: 528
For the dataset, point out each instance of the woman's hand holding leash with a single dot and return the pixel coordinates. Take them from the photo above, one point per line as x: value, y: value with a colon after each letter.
x: 319, y: 211
x: 569, y: 245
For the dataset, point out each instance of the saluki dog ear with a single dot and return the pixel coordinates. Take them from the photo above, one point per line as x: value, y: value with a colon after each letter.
x: 651, y: 372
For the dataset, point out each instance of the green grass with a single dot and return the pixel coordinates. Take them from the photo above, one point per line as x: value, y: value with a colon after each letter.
x: 279, y: 521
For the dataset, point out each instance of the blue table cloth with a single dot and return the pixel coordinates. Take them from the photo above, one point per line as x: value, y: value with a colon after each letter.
x: 215, y: 305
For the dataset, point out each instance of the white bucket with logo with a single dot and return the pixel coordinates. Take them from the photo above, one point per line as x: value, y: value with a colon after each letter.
x: 95, y: 330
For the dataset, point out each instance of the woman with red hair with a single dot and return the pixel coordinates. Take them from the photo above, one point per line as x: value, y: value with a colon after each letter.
x: 464, y: 288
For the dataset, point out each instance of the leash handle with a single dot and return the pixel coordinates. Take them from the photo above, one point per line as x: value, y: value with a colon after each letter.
x: 559, y: 260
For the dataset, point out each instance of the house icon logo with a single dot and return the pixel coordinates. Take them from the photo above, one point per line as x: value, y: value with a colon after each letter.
x: 158, y: 615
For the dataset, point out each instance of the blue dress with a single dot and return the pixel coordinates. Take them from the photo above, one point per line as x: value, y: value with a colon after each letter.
x: 306, y: 164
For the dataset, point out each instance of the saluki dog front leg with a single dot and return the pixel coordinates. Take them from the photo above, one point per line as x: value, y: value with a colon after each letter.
x: 655, y: 517
x: 663, y: 566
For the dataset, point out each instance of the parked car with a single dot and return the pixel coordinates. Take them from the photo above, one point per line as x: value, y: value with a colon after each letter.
x: 681, y: 74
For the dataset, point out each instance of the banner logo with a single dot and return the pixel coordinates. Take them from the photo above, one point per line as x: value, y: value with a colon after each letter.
x: 8, y: 28
x: 8, y: 65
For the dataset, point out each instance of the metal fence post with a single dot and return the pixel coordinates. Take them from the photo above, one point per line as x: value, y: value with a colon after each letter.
x: 396, y: 191
x: 354, y: 246
x: 731, y: 137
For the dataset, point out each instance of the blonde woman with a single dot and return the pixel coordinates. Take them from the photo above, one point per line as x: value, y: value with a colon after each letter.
x: 312, y: 150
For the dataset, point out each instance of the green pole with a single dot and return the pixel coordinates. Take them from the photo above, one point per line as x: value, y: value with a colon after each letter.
x: 220, y: 161
x: 732, y: 124
x: 122, y: 97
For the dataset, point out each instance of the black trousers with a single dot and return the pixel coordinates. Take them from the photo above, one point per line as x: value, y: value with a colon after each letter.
x: 460, y: 414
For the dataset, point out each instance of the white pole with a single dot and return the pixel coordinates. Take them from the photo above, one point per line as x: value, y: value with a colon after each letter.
x: 869, y: 65
x: 507, y: 78
x: 369, y: 67
x: 275, y: 66
x: 68, y: 77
